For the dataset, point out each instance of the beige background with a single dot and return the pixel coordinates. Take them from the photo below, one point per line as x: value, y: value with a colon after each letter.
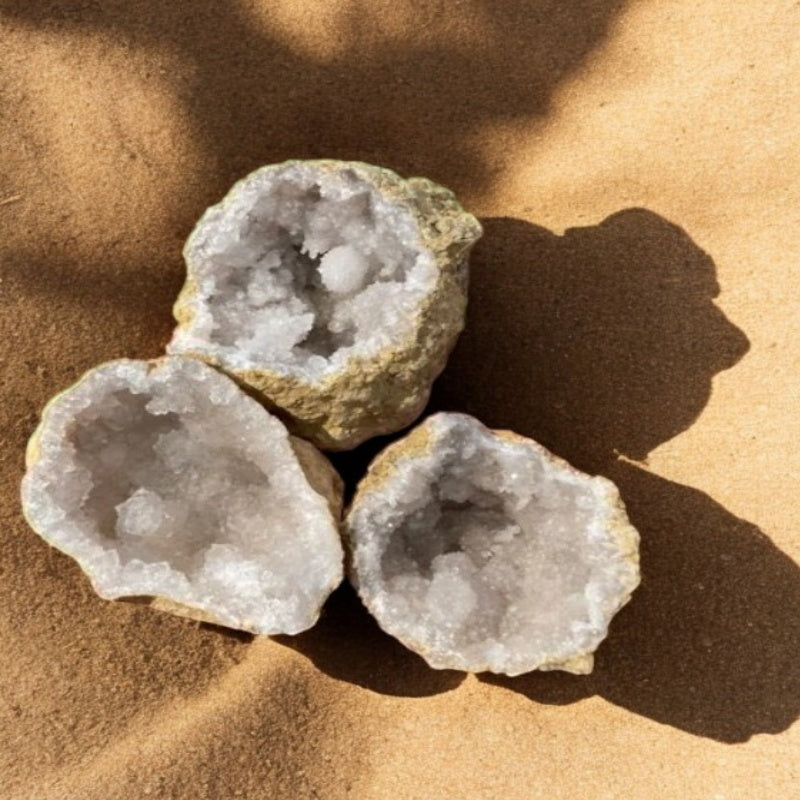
x: 634, y: 306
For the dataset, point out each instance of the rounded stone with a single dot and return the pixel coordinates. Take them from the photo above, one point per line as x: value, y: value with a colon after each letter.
x: 482, y: 551
x: 334, y: 289
x: 166, y: 482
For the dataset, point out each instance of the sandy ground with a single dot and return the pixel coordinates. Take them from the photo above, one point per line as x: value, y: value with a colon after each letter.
x: 634, y: 306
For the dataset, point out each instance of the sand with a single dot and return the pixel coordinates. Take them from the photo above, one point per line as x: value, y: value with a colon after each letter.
x: 634, y: 306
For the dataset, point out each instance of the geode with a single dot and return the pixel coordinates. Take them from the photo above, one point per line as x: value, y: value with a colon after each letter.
x: 164, y: 480
x: 482, y: 551
x: 334, y: 289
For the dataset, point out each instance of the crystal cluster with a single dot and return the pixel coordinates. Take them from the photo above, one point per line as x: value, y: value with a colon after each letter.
x: 335, y: 289
x: 164, y: 479
x: 333, y: 293
x: 480, y: 550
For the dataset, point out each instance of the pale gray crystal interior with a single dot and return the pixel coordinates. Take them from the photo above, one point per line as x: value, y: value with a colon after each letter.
x: 301, y: 268
x: 485, y: 552
x: 165, y: 479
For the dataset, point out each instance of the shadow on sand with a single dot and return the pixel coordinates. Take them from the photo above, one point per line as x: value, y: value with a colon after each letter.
x: 411, y: 97
x: 602, y: 343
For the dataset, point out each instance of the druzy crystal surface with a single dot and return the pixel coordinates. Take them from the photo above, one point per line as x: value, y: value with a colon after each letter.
x: 335, y: 289
x: 480, y: 550
x: 164, y: 479
x: 300, y: 269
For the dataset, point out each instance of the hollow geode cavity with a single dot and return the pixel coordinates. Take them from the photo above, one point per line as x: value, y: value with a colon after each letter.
x: 163, y: 479
x: 482, y: 551
x: 334, y: 289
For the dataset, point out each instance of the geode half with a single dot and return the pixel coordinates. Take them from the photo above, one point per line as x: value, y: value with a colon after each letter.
x: 163, y: 479
x: 482, y: 551
x: 334, y: 289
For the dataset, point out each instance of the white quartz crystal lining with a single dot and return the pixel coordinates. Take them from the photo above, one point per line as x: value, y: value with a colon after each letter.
x: 164, y: 479
x: 300, y: 269
x: 484, y: 552
x: 335, y: 290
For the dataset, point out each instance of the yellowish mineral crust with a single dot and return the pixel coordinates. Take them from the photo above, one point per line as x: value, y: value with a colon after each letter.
x: 168, y: 484
x: 335, y: 290
x: 482, y: 551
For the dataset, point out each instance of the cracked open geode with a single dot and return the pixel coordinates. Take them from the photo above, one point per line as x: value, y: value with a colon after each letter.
x: 334, y: 289
x: 482, y: 551
x: 164, y: 480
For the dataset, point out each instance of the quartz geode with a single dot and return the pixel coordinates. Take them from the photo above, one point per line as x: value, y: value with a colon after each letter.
x: 334, y: 289
x: 482, y: 551
x: 163, y: 479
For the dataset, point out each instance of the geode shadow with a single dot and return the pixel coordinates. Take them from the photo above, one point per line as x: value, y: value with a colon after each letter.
x: 600, y: 343
x: 348, y: 644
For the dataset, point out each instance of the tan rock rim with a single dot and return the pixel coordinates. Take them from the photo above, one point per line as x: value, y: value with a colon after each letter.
x: 385, y: 392
x: 318, y: 471
x: 419, y: 442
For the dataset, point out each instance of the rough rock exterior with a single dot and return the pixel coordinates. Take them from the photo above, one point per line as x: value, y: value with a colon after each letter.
x: 164, y: 480
x: 482, y: 551
x: 334, y: 289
